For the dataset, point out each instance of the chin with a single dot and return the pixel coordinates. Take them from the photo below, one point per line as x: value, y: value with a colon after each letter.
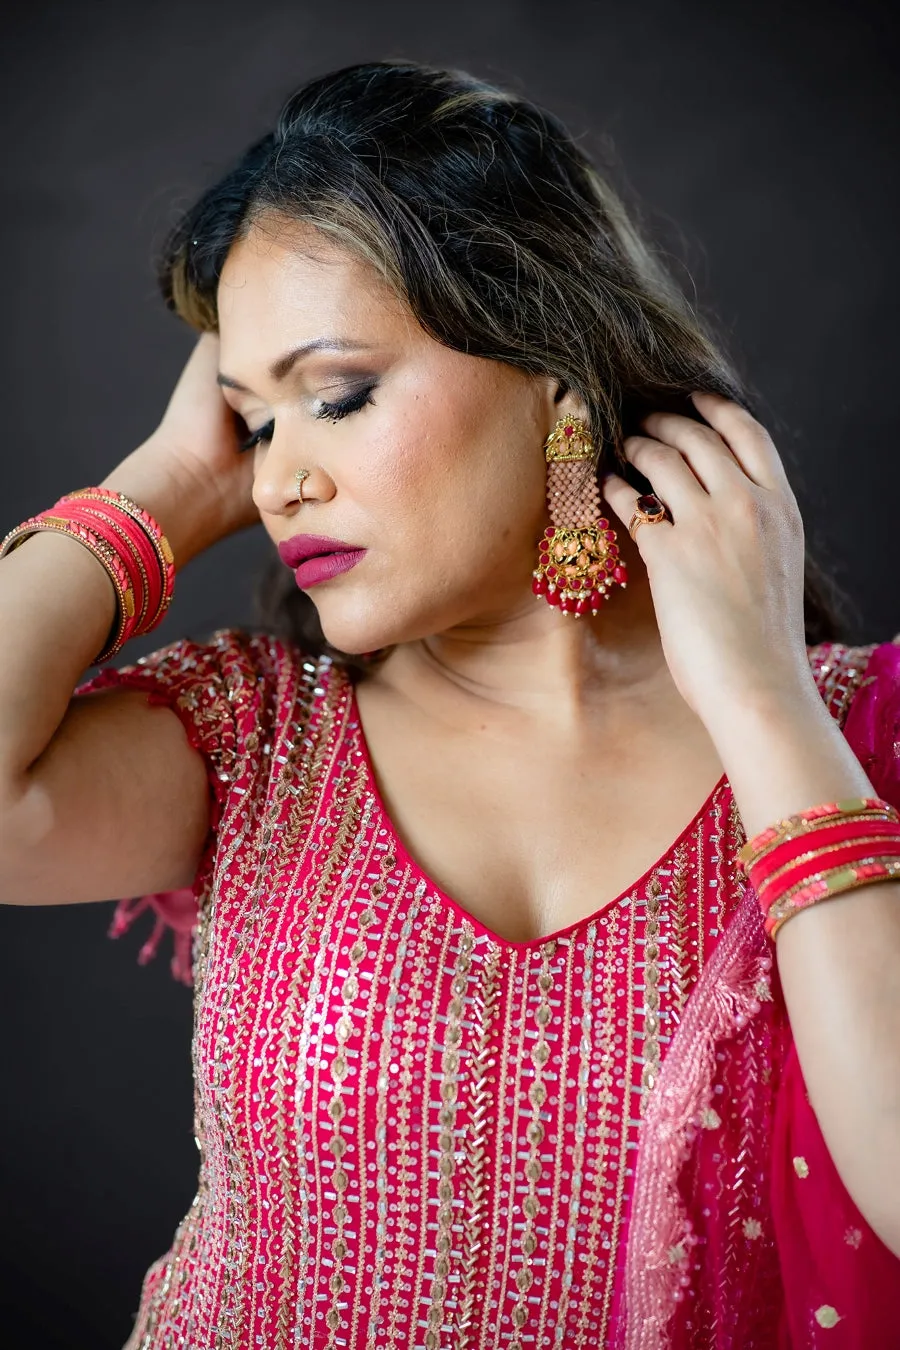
x: 366, y: 623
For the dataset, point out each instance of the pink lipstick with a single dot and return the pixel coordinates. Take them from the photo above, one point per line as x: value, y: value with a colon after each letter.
x: 316, y: 558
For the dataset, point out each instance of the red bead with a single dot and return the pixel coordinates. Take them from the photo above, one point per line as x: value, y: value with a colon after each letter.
x: 567, y: 604
x: 613, y: 550
x: 603, y: 523
x: 539, y: 585
x: 595, y: 598
x: 610, y: 534
x: 575, y: 584
x: 568, y: 431
x: 550, y: 531
x: 553, y: 597
x: 582, y: 606
x: 551, y: 571
x: 620, y: 574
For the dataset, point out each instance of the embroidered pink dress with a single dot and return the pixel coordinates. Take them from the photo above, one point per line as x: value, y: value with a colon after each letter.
x: 414, y: 1133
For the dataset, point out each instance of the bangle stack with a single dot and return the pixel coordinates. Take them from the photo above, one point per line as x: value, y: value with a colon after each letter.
x: 820, y: 853
x: 129, y: 543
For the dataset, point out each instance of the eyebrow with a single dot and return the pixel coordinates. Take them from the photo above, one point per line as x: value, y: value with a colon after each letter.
x: 279, y: 369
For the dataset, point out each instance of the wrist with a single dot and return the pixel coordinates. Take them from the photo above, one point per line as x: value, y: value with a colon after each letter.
x: 783, y: 752
x: 189, y: 515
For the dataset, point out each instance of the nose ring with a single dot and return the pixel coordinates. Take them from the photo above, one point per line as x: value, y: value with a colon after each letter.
x: 301, y: 476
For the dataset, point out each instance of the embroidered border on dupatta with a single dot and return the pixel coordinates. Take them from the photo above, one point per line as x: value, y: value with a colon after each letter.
x: 722, y: 1003
x: 660, y: 1238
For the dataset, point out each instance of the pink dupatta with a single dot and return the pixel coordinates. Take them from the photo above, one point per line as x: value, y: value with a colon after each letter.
x: 737, y: 1207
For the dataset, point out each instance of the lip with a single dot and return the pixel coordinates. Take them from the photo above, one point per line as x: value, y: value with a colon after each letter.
x: 316, y: 557
x: 326, y: 565
x: 302, y: 546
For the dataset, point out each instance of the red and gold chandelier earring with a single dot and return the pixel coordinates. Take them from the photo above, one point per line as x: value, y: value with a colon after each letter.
x: 578, y: 558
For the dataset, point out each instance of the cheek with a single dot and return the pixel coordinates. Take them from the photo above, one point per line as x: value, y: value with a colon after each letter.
x: 450, y: 474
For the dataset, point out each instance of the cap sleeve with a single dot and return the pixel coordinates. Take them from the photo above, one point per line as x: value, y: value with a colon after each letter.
x: 840, y: 1279
x: 873, y: 722
x: 224, y: 691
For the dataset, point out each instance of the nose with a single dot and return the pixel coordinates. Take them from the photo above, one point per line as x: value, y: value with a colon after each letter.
x: 282, y: 486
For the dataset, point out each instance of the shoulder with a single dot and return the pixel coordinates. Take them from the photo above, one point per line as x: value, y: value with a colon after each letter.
x: 839, y: 671
x: 861, y: 688
x: 232, y: 690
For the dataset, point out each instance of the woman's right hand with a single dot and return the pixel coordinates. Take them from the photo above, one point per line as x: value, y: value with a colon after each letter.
x: 189, y: 473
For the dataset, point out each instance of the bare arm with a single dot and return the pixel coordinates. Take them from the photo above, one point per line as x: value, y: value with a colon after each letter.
x: 103, y: 796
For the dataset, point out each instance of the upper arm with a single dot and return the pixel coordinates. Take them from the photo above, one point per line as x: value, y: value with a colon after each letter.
x: 126, y: 799
x: 116, y: 805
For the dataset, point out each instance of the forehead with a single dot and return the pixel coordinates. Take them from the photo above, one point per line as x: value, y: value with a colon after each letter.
x: 289, y: 275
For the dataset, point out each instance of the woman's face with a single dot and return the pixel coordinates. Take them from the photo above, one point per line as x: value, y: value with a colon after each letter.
x: 439, y: 476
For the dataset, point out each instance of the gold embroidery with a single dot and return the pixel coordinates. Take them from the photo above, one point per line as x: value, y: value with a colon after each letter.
x: 678, y: 940
x: 853, y: 1237
x: 650, y: 1071
x: 485, y: 1004
x: 752, y: 1229
x: 826, y: 1316
x: 408, y: 1054
x: 449, y: 1093
x: 537, y: 1095
x: 387, y: 1032
x: 801, y: 1167
x: 582, y: 1091
x: 710, y: 1119
x: 340, y: 1068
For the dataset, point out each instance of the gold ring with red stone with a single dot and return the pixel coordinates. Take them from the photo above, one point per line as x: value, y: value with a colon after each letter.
x: 648, y: 510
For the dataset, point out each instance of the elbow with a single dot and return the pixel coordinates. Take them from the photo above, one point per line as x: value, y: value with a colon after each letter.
x: 23, y: 825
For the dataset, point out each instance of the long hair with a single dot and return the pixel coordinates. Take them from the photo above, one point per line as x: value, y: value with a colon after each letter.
x: 498, y: 232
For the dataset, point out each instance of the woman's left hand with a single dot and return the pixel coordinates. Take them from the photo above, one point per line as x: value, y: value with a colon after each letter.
x: 726, y: 572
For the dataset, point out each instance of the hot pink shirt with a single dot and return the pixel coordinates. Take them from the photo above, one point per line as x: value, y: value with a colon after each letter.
x: 413, y: 1132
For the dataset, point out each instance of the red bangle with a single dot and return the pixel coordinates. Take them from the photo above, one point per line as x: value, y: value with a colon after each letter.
x: 814, y: 816
x: 839, y: 881
x: 800, y: 871
x: 826, y: 836
x: 126, y: 543
x: 129, y: 543
x: 119, y: 501
x: 104, y: 552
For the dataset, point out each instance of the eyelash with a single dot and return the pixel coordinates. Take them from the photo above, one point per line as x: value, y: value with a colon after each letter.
x: 333, y: 411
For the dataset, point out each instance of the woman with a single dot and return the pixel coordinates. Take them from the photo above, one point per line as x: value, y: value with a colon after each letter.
x: 461, y: 1080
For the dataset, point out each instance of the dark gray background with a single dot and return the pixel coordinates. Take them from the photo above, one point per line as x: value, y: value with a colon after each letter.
x: 762, y: 142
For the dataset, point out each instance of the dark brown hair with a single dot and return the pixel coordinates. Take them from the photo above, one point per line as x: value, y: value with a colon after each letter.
x: 500, y: 234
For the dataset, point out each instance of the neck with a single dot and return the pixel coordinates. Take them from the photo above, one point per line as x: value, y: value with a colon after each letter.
x: 539, y: 662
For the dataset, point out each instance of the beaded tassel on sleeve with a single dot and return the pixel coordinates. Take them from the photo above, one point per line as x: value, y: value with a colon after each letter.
x: 578, y: 558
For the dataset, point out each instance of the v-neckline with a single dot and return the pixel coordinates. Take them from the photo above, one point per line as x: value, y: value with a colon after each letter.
x: 405, y: 858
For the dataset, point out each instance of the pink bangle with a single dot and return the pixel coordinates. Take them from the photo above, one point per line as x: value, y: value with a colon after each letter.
x: 811, y: 818
x: 155, y: 534
x: 102, y: 551
x: 832, y: 884
x: 130, y: 544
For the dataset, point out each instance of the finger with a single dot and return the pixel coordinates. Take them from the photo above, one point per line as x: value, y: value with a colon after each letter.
x: 667, y: 470
x: 700, y: 447
x: 623, y: 499
x: 750, y: 444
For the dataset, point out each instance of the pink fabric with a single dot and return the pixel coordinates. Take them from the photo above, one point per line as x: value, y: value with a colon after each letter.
x: 416, y: 1133
x: 832, y: 1282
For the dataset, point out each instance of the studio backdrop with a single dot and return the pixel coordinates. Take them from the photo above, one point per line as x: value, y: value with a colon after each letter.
x: 758, y: 144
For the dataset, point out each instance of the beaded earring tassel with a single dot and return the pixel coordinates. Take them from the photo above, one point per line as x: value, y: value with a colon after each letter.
x: 578, y: 558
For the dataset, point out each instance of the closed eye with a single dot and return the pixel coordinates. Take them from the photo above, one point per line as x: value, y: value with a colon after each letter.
x: 333, y: 411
